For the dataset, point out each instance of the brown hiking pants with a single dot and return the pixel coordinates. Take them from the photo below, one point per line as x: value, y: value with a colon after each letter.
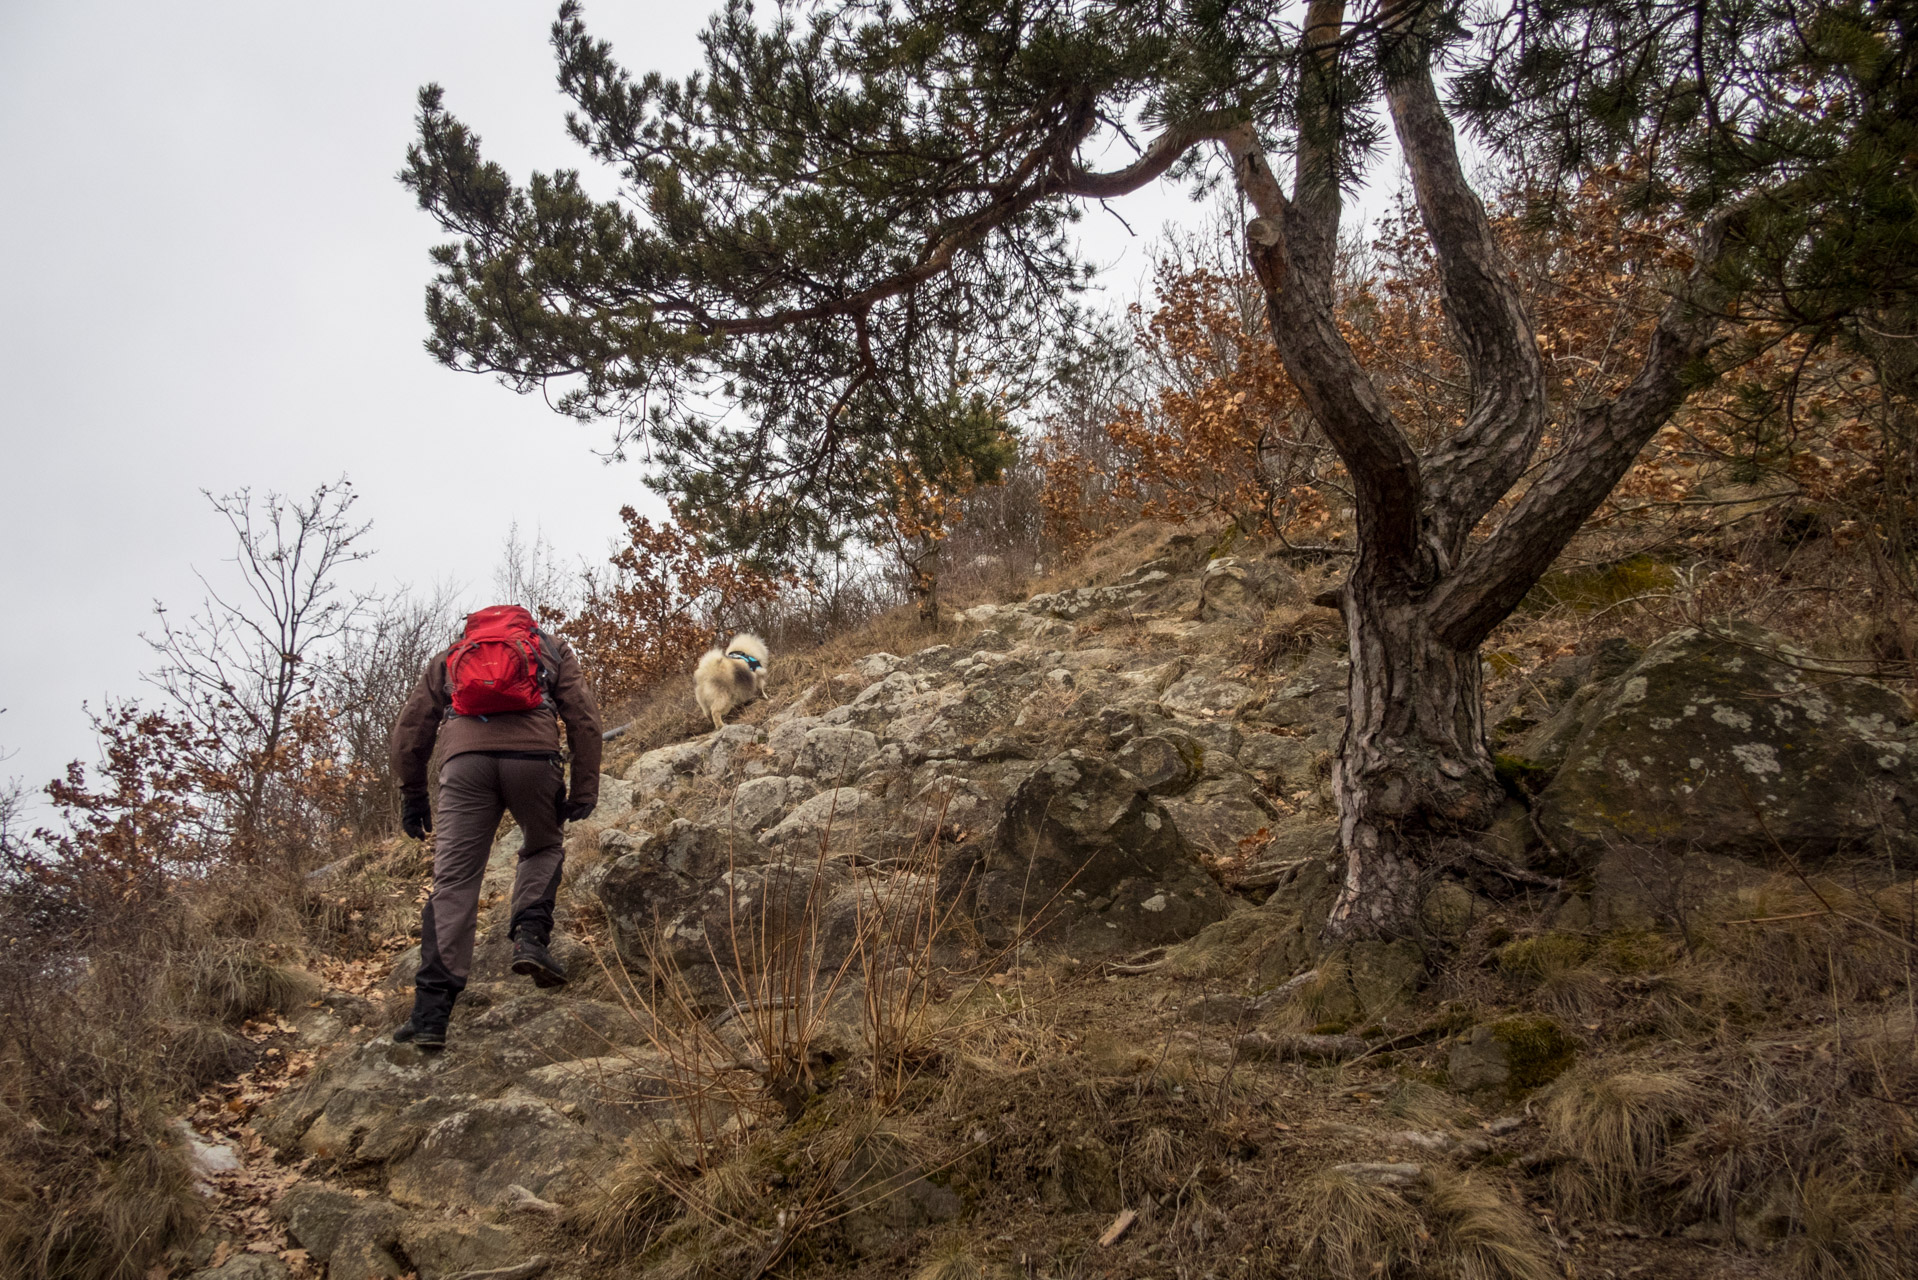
x: 475, y: 788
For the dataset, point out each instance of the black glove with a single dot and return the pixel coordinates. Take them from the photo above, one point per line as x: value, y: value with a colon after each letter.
x: 416, y: 816
x: 578, y: 810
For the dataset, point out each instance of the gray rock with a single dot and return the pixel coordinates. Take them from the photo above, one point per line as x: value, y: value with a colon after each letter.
x: 440, y: 1247
x: 731, y: 749
x: 1165, y: 764
x: 615, y: 800
x: 1235, y: 590
x: 470, y: 1158
x: 832, y: 754
x: 1728, y: 742
x: 1314, y: 696
x: 1199, y: 694
x: 1303, y: 836
x: 659, y: 769
x: 1222, y: 820
x: 1290, y: 762
x: 246, y: 1266
x: 845, y: 817
x: 785, y: 740
x: 367, y: 1243
x: 1510, y: 1056
x: 315, y: 1215
x: 1270, y: 944
x: 1085, y: 854
x: 757, y: 804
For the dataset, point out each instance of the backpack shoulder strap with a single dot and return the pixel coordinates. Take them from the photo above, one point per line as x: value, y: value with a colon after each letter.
x: 548, y: 663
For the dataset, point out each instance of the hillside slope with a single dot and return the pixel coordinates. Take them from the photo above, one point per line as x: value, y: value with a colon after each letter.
x: 1001, y: 958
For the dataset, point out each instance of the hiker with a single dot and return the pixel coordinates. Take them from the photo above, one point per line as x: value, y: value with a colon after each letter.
x: 493, y: 703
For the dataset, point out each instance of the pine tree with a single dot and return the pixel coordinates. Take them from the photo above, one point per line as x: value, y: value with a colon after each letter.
x: 848, y: 187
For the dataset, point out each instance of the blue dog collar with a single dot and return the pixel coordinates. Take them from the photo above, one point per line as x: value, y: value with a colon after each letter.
x: 746, y: 658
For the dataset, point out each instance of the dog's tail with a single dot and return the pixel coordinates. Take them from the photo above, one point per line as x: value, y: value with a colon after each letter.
x: 712, y: 664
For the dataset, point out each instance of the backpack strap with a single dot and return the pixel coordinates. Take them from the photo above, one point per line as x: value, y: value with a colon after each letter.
x: 548, y: 667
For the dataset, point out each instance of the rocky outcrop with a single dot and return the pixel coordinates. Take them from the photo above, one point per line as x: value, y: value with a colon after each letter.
x: 1038, y: 782
x: 1728, y: 742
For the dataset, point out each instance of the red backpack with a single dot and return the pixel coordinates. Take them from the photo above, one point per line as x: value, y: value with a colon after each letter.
x: 498, y: 664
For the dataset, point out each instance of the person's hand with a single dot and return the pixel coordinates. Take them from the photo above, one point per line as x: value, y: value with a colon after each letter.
x: 416, y: 816
x: 579, y: 810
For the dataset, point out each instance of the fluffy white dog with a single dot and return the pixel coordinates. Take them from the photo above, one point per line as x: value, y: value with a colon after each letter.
x: 730, y: 677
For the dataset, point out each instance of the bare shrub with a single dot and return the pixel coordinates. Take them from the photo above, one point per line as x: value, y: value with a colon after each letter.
x: 665, y: 599
x: 123, y: 965
x: 242, y: 674
x: 364, y: 683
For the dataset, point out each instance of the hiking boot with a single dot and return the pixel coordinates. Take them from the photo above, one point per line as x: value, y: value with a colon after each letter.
x: 425, y: 1027
x: 425, y: 1036
x: 536, y: 962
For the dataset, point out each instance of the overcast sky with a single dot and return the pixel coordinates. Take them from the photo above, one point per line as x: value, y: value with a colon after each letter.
x: 212, y: 280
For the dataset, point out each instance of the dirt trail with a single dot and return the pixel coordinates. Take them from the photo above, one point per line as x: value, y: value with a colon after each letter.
x: 241, y: 1177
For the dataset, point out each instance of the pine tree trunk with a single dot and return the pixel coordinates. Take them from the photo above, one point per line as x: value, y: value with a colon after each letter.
x: 1413, y: 767
x: 927, y: 571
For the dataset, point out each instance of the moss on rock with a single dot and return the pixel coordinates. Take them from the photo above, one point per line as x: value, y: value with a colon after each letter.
x: 1511, y: 1056
x: 1537, y: 1051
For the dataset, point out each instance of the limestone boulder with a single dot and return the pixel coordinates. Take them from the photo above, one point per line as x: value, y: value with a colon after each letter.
x: 734, y: 752
x: 470, y: 1157
x: 833, y: 753
x: 1725, y: 741
x: 1233, y: 589
x: 663, y: 768
x: 1291, y: 763
x: 1222, y: 820
x: 1086, y: 855
x: 452, y: 1246
x: 615, y: 800
x: 1313, y: 696
x: 368, y: 1243
x: 761, y: 802
x: 843, y: 820
x: 315, y: 1214
x: 1165, y: 763
x: 1203, y: 694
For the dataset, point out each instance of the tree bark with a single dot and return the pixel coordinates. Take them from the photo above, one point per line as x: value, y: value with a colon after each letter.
x: 1413, y: 765
x: 1414, y: 771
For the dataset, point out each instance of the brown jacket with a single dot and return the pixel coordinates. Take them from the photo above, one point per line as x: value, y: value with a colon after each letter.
x: 427, y: 717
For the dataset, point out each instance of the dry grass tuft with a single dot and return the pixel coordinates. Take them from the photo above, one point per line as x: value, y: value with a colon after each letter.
x: 1157, y: 1159
x: 1480, y: 1235
x: 1846, y: 1231
x: 1612, y: 1130
x: 1349, y: 1229
x: 99, y: 1217
x: 952, y: 1260
x: 233, y: 987
x: 1813, y: 938
x: 627, y: 1209
x: 1423, y: 1107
